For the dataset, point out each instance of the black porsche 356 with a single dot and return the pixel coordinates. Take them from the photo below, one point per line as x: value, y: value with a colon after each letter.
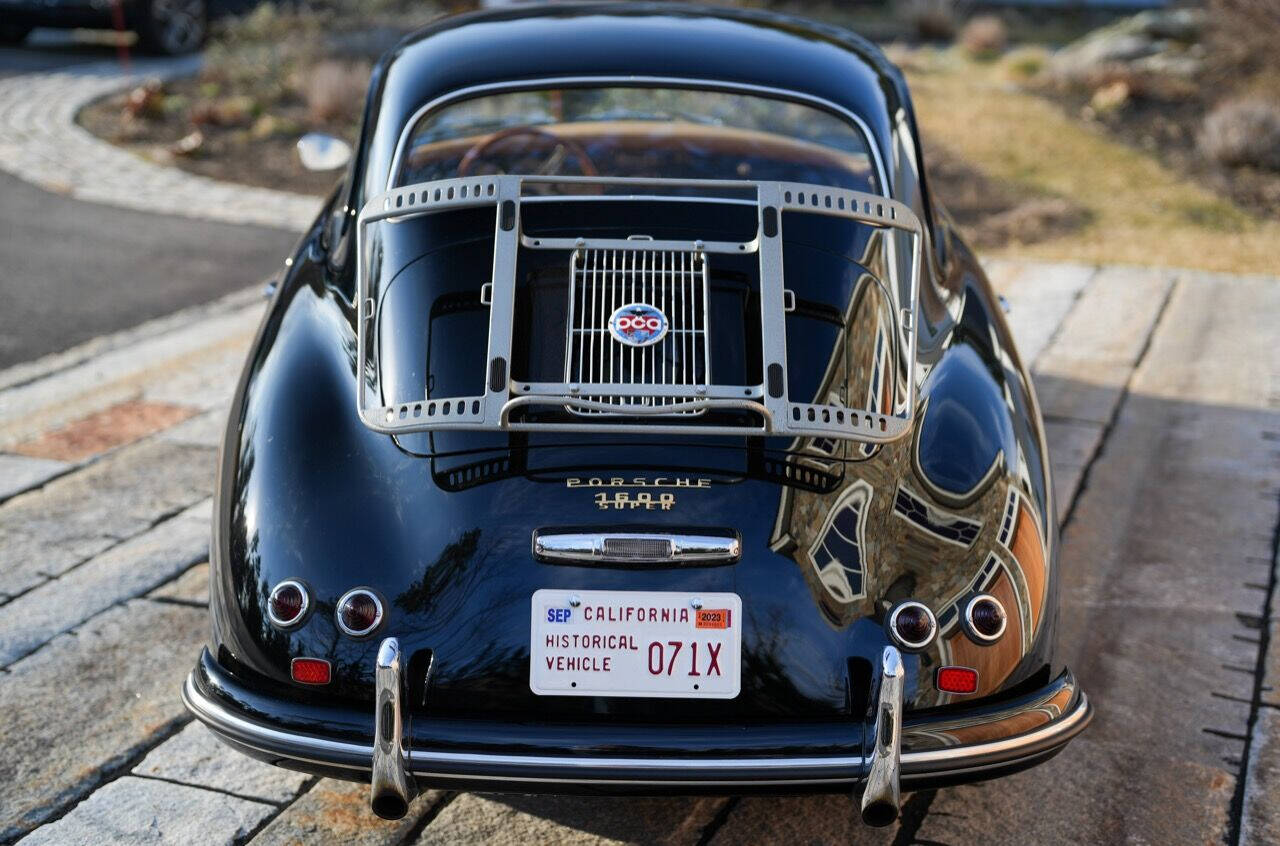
x: 632, y: 420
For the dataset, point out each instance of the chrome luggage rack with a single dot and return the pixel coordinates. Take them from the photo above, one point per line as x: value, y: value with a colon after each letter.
x: 668, y: 406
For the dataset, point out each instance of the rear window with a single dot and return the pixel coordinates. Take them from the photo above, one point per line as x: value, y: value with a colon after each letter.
x: 638, y: 132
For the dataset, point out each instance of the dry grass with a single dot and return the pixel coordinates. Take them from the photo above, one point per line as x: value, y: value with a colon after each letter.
x: 1138, y: 210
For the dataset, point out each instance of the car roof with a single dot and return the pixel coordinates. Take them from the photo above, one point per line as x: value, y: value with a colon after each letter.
x: 740, y: 47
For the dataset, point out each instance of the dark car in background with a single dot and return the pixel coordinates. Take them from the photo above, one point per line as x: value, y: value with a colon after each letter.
x: 166, y: 27
x: 633, y: 420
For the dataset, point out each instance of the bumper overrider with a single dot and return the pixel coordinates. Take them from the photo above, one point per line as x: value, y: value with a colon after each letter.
x: 908, y: 751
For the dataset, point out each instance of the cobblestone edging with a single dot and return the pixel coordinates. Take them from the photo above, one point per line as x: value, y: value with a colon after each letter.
x: 41, y: 143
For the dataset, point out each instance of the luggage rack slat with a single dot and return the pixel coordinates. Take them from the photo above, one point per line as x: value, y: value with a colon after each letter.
x: 601, y: 388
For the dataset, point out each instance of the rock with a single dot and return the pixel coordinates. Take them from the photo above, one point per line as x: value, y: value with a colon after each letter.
x: 1243, y: 132
x: 47, y: 532
x: 1039, y: 298
x: 338, y: 812
x: 189, y: 144
x: 1087, y: 794
x: 87, y: 703
x: 121, y: 573
x: 1110, y: 97
x: 1071, y: 446
x: 19, y: 473
x: 1129, y: 41
x: 1185, y: 25
x: 1182, y: 64
x: 204, y: 430
x: 1082, y: 390
x: 194, y: 756
x: 514, y: 820
x: 1112, y: 319
x: 141, y: 810
x: 105, y: 430
x: 1260, y: 822
x: 826, y: 819
x: 1271, y: 672
x: 1114, y: 44
x: 191, y: 586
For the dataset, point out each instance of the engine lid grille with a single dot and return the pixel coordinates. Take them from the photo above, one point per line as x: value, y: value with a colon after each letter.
x: 616, y: 283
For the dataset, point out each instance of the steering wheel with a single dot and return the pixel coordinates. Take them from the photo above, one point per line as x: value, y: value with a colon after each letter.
x: 557, y: 157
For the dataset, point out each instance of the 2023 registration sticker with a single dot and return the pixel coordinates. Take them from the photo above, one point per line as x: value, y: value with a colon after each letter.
x: 636, y: 643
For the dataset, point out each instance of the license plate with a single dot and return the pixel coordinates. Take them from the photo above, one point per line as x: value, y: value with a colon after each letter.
x: 636, y: 643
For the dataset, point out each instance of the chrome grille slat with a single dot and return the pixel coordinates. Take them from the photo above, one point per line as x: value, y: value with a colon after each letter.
x: 604, y: 280
x: 648, y: 549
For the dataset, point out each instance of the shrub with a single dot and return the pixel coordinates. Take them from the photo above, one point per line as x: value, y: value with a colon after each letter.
x: 1243, y: 132
x: 931, y: 20
x: 984, y: 37
x: 334, y: 92
x: 1242, y: 35
x: 1025, y: 63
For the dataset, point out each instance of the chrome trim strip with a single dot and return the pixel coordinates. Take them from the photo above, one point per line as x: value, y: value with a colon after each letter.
x: 631, y: 409
x: 589, y: 389
x: 926, y: 761
x: 646, y: 246
x: 474, y: 91
x: 593, y: 547
x: 318, y: 750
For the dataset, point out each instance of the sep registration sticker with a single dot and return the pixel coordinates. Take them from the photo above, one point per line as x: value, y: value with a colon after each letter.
x: 634, y: 643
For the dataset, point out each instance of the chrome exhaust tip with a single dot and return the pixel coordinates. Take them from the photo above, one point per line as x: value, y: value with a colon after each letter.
x: 391, y: 788
x: 881, y: 797
x: 879, y: 813
x: 389, y: 806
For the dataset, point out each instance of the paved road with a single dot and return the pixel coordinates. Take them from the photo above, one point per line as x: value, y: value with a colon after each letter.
x: 70, y: 271
x: 1160, y: 392
x: 48, y: 50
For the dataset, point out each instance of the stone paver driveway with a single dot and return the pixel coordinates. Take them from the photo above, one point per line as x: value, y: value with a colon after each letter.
x: 1161, y: 393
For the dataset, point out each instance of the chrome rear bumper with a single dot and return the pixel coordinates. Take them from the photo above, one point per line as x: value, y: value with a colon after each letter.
x: 950, y: 748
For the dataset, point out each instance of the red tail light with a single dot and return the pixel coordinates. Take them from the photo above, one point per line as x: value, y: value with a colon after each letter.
x: 359, y: 612
x: 912, y: 626
x: 985, y: 619
x: 310, y: 670
x: 288, y: 604
x: 957, y: 680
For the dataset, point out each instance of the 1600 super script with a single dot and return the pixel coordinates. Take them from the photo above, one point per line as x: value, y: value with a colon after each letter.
x: 623, y: 501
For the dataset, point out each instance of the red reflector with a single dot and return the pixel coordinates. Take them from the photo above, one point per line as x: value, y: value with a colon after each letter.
x: 957, y: 680
x: 310, y: 670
